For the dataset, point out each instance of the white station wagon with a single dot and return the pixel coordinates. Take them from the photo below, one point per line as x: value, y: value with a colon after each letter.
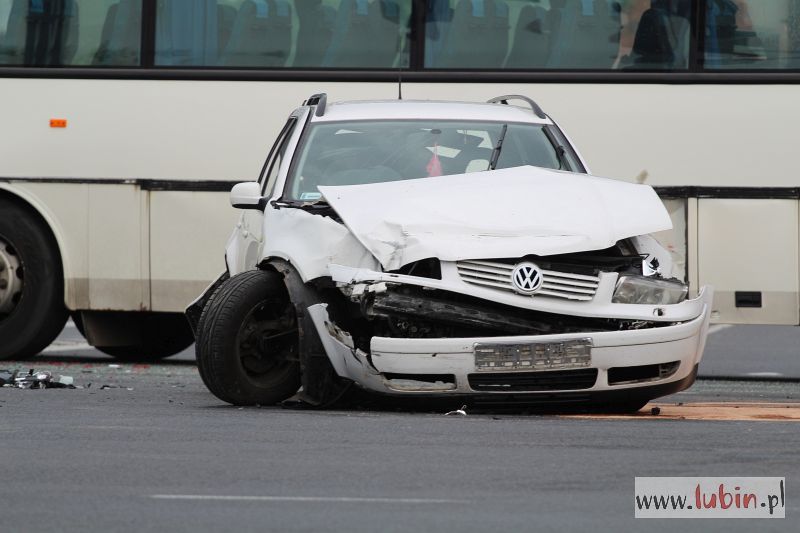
x: 449, y: 250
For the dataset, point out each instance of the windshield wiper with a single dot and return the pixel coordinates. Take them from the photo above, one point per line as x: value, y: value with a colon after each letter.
x: 296, y: 204
x: 561, y: 152
x: 498, y: 148
x: 320, y: 207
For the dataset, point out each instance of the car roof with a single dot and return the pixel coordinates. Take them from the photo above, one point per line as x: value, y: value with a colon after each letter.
x: 427, y: 109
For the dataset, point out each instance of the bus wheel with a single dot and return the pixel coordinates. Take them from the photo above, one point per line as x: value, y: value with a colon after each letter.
x: 32, y: 311
x: 247, y: 341
x: 151, y: 336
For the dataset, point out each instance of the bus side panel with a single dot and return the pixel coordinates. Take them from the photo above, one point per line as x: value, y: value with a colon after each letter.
x: 190, y: 230
x: 748, y: 249
x: 65, y: 209
x: 118, y: 249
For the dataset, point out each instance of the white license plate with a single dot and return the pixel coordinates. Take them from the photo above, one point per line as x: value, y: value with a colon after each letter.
x: 493, y: 357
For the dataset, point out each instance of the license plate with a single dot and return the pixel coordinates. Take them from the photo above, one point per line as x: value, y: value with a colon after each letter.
x: 575, y: 353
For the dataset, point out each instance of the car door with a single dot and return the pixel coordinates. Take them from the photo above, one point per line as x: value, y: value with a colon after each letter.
x: 244, y: 248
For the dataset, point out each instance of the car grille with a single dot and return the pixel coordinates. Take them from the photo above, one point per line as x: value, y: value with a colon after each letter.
x: 556, y: 284
x: 583, y: 378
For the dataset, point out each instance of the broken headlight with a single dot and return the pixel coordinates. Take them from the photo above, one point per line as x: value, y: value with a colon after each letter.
x: 648, y: 291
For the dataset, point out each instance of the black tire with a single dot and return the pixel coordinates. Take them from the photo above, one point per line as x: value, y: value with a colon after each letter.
x: 33, y: 316
x: 202, y: 324
x: 161, y: 334
x: 247, y: 341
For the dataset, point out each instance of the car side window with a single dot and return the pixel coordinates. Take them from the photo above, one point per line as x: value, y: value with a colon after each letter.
x: 269, y: 172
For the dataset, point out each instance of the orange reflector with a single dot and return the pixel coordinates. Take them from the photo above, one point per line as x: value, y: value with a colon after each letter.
x: 58, y: 123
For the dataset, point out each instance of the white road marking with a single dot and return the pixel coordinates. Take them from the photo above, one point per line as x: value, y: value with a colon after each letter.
x: 319, y: 499
x: 117, y: 428
x: 764, y: 374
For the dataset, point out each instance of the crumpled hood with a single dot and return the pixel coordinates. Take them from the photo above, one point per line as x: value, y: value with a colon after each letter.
x: 511, y: 212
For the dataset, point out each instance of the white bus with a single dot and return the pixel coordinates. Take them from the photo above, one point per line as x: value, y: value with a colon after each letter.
x: 123, y: 124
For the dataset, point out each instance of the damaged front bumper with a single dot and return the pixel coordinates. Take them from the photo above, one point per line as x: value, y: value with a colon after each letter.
x: 654, y: 361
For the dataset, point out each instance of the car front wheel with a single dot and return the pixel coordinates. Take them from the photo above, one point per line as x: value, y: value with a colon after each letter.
x: 247, y: 341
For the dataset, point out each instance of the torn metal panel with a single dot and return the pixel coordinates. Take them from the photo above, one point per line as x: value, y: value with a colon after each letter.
x: 353, y: 364
x: 442, y: 310
x: 648, y: 246
x: 347, y: 361
x: 310, y: 242
x: 511, y: 212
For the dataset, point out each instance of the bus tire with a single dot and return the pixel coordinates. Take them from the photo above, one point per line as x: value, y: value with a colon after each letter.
x: 247, y: 341
x: 32, y: 310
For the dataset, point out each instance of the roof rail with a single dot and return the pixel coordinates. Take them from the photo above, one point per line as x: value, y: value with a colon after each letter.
x: 505, y: 98
x: 320, y: 100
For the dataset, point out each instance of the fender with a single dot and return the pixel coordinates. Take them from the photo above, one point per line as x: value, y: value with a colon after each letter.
x: 195, y: 309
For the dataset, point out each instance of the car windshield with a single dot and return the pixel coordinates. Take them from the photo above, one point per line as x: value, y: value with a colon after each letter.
x: 350, y: 153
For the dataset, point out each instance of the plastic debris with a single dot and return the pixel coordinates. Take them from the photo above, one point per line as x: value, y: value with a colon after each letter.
x: 35, y: 380
x: 6, y: 377
x: 114, y: 386
x: 458, y: 412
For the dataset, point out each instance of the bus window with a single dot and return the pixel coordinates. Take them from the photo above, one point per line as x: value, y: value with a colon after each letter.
x: 655, y: 35
x: 747, y: 34
x: 187, y: 33
x: 283, y: 33
x: 558, y: 34
x: 369, y: 34
x: 42, y: 33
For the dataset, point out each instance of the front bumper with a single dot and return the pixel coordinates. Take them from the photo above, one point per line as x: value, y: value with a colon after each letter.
x: 402, y: 366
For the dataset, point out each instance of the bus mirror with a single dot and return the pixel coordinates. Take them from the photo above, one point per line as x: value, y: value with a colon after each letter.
x: 247, y: 195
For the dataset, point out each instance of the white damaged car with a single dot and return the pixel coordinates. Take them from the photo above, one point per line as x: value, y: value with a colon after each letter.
x: 449, y: 250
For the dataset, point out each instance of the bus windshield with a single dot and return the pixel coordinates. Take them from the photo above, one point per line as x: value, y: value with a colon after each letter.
x: 351, y: 153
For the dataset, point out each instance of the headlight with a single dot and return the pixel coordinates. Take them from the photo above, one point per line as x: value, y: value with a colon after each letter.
x: 649, y: 291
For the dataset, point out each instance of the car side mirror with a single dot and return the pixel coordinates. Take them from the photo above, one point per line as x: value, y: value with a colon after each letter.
x: 247, y: 195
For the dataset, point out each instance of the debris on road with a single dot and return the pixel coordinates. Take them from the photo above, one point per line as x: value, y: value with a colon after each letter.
x: 458, y: 412
x: 35, y: 380
x: 114, y: 386
x: 655, y: 411
x: 728, y: 411
x: 6, y: 376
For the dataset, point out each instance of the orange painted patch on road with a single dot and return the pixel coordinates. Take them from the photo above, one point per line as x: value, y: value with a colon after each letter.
x: 763, y: 412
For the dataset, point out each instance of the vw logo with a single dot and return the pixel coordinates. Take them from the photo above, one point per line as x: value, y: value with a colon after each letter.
x: 527, y: 278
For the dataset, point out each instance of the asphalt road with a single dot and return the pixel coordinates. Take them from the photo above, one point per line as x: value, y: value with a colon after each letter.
x: 157, y: 452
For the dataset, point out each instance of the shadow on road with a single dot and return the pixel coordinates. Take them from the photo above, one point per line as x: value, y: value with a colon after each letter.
x: 99, y: 359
